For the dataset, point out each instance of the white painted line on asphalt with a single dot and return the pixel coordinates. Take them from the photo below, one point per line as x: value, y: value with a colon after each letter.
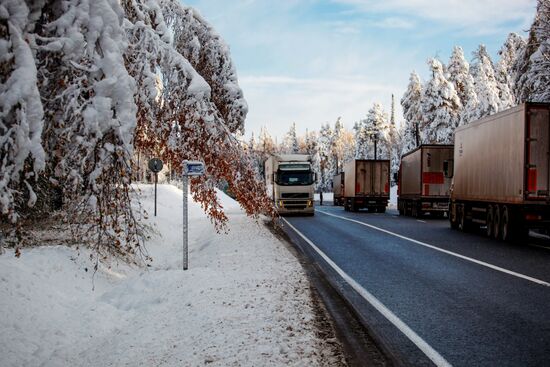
x: 421, y: 221
x: 479, y: 262
x: 431, y: 353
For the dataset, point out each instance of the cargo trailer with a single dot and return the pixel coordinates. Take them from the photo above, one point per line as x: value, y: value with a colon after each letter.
x: 424, y: 181
x: 366, y: 185
x: 501, y: 172
x: 338, y: 189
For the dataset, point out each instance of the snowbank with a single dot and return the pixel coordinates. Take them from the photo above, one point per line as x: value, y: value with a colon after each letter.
x: 243, y: 301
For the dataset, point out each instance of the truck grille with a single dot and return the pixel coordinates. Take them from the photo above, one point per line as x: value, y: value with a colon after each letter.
x: 295, y: 195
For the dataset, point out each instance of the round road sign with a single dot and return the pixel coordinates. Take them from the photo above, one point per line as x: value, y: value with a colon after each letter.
x: 155, y: 165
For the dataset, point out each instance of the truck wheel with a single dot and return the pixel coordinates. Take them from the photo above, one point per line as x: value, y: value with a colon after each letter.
x: 489, y: 221
x: 454, y: 222
x: 496, y: 222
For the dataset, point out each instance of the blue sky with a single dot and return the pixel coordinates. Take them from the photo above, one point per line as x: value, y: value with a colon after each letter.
x: 311, y: 61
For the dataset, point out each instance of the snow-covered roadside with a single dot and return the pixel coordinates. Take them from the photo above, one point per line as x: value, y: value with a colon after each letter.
x: 244, y: 301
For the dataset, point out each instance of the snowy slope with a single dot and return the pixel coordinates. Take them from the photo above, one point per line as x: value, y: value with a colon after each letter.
x: 243, y: 301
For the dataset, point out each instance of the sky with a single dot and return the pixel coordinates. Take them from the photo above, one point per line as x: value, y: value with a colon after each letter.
x: 312, y: 61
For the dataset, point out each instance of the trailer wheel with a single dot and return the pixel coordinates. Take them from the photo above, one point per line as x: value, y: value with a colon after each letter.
x: 506, y: 224
x: 489, y: 221
x: 496, y: 222
x: 462, y: 221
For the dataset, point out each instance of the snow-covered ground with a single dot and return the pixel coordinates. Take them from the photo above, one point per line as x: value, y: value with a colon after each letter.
x: 244, y: 301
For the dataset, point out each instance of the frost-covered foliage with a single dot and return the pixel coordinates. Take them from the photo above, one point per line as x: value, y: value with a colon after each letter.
x: 532, y: 66
x: 504, y: 69
x: 411, y: 102
x: 440, y: 107
x: 458, y: 73
x: 486, y: 84
x: 198, y: 106
x: 22, y: 157
x: 113, y: 77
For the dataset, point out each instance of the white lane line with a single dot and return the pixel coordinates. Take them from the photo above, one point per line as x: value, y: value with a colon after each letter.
x: 431, y: 353
x: 482, y: 263
x: 421, y: 221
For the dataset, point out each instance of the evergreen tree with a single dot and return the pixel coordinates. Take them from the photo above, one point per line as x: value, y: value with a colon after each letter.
x: 486, y: 85
x: 361, y: 140
x: 412, y: 112
x: 440, y: 107
x: 378, y: 128
x: 504, y: 69
x: 290, y: 142
x: 532, y: 67
x: 325, y: 153
x: 458, y: 73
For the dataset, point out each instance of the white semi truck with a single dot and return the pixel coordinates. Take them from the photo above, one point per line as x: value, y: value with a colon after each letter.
x: 290, y: 183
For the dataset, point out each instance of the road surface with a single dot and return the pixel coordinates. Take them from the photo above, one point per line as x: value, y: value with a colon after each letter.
x: 432, y: 295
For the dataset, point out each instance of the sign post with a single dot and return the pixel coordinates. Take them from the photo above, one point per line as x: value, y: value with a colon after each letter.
x: 155, y: 165
x: 190, y: 168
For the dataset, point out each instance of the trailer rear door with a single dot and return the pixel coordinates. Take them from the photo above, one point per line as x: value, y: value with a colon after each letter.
x: 538, y: 150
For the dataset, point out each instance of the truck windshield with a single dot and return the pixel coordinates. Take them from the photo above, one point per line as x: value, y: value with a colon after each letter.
x: 294, y: 178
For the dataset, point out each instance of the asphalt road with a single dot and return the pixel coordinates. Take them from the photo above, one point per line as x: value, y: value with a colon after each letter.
x: 432, y: 295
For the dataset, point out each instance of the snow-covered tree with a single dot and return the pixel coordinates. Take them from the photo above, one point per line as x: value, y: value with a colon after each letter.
x: 362, y: 139
x: 378, y: 129
x: 412, y: 112
x: 532, y: 66
x: 504, y: 69
x: 112, y: 77
x: 290, y: 142
x: 440, y: 107
x: 458, y: 73
x: 22, y: 157
x: 486, y: 84
x: 325, y: 152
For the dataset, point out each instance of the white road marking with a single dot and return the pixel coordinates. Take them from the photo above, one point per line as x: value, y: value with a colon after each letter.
x: 482, y: 263
x: 431, y: 353
x: 421, y: 221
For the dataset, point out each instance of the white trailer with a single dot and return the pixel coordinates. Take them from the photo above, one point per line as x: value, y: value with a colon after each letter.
x: 501, y: 172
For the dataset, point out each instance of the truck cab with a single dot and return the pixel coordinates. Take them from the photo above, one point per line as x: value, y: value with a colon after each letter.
x: 290, y: 183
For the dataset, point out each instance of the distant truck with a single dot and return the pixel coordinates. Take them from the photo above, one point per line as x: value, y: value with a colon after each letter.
x: 338, y: 189
x: 366, y: 185
x: 424, y: 181
x: 290, y: 183
x: 501, y: 172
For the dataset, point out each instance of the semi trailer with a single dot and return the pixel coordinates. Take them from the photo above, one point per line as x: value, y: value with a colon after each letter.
x: 366, y: 185
x: 424, y: 181
x: 338, y: 189
x: 501, y: 172
x: 290, y: 183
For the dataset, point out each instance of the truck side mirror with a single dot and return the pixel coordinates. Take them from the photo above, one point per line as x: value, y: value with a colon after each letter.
x: 448, y: 168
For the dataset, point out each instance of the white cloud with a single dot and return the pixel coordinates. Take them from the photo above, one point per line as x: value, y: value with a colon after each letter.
x: 277, y: 101
x: 488, y: 14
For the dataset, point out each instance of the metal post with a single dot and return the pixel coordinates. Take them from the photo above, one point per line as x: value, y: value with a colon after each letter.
x: 156, y: 180
x: 185, y: 220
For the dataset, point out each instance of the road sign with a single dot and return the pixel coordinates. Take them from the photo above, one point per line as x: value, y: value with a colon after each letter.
x: 155, y: 165
x: 190, y: 168
x: 193, y: 168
